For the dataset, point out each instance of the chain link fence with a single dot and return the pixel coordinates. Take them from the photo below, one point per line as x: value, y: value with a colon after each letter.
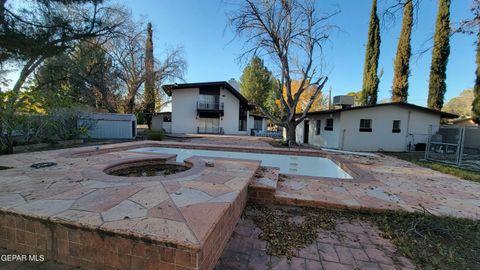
x: 457, y: 145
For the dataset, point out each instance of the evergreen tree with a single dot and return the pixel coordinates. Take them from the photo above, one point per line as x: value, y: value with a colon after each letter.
x: 476, y: 88
x: 402, y: 59
x: 441, y: 50
x: 370, y: 77
x: 149, y: 93
x: 256, y: 82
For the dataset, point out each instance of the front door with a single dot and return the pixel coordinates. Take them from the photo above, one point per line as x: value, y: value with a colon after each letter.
x: 306, y: 131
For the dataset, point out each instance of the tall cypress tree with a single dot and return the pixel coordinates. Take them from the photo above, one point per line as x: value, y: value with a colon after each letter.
x: 476, y: 88
x: 370, y: 77
x: 402, y: 59
x: 149, y: 92
x: 441, y: 50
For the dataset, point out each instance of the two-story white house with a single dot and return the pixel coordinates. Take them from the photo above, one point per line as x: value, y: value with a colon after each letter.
x: 211, y: 107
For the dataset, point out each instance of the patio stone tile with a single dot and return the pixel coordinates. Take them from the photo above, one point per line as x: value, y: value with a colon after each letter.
x: 309, y: 252
x: 161, y: 229
x: 123, y: 225
x: 8, y: 200
x: 368, y: 265
x: 226, y: 198
x: 150, y: 196
x: 44, y: 208
x: 82, y: 217
x: 379, y: 193
x: 266, y: 182
x: 100, y: 184
x: 235, y: 260
x: 244, y: 231
x: 166, y: 209
x: 378, y: 255
x: 188, y: 196
x: 104, y: 199
x: 201, y: 217
x: 344, y: 255
x: 327, y: 252
x: 172, y: 186
x: 279, y: 263
x: 359, y: 254
x: 212, y: 189
x: 124, y: 210
x: 313, y: 265
x: 73, y: 194
x: 336, y: 266
x: 327, y: 237
x: 297, y: 263
x: 237, y: 183
x: 216, y: 178
x: 258, y: 260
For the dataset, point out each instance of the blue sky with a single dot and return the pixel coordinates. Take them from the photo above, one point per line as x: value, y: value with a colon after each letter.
x: 199, y: 27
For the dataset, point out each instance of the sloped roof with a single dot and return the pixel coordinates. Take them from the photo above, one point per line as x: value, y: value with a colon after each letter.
x: 108, y: 116
x: 168, y: 88
x: 401, y: 104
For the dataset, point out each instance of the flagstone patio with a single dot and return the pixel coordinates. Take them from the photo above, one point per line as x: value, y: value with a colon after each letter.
x: 397, y: 185
x: 77, y: 214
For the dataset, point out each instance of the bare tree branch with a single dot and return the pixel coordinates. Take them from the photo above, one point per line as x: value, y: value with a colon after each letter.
x: 292, y: 34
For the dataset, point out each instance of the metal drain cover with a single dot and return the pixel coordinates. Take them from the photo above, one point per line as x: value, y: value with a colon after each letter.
x: 42, y: 165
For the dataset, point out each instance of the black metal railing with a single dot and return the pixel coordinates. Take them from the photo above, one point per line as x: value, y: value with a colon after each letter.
x: 209, y: 130
x: 217, y: 106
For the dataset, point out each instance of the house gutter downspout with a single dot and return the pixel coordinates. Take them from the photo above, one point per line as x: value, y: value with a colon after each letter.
x: 407, y: 134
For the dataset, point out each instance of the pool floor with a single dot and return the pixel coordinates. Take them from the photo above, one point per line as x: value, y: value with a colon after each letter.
x: 288, y: 164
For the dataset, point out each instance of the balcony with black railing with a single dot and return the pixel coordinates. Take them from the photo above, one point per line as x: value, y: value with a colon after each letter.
x: 209, y: 106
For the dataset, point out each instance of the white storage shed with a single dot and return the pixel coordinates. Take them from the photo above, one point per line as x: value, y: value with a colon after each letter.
x: 109, y: 125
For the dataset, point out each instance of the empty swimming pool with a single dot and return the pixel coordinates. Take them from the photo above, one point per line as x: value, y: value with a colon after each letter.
x: 299, y: 165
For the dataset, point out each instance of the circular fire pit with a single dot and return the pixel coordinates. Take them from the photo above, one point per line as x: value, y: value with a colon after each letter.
x: 146, y: 168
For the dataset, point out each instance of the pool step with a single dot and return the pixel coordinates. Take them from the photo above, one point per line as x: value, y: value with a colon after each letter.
x: 264, y: 184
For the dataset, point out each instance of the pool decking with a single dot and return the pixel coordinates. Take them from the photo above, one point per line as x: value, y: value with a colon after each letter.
x: 76, y: 214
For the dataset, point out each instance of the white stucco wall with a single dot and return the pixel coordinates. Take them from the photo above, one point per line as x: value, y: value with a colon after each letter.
x: 231, y: 113
x: 346, y: 135
x: 326, y: 138
x: 382, y: 137
x: 184, y: 110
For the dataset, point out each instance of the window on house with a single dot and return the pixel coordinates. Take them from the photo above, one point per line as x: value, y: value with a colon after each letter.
x: 396, y: 126
x: 257, y: 123
x: 329, y: 125
x: 365, y: 125
x: 318, y: 126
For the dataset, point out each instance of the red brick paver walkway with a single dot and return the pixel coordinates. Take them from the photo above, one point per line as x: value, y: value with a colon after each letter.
x: 355, y: 245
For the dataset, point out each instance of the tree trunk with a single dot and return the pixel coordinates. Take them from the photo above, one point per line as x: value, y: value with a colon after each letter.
x: 10, y: 143
x: 291, y: 133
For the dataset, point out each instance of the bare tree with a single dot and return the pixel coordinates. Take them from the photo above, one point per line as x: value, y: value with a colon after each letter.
x: 292, y: 33
x: 128, y: 54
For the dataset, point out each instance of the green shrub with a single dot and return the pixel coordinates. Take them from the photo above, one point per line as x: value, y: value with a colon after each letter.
x: 155, y: 135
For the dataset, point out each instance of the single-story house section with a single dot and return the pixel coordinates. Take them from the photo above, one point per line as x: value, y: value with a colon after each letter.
x: 392, y: 126
x: 256, y: 123
x: 109, y: 125
x: 162, y: 121
x: 210, y: 107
